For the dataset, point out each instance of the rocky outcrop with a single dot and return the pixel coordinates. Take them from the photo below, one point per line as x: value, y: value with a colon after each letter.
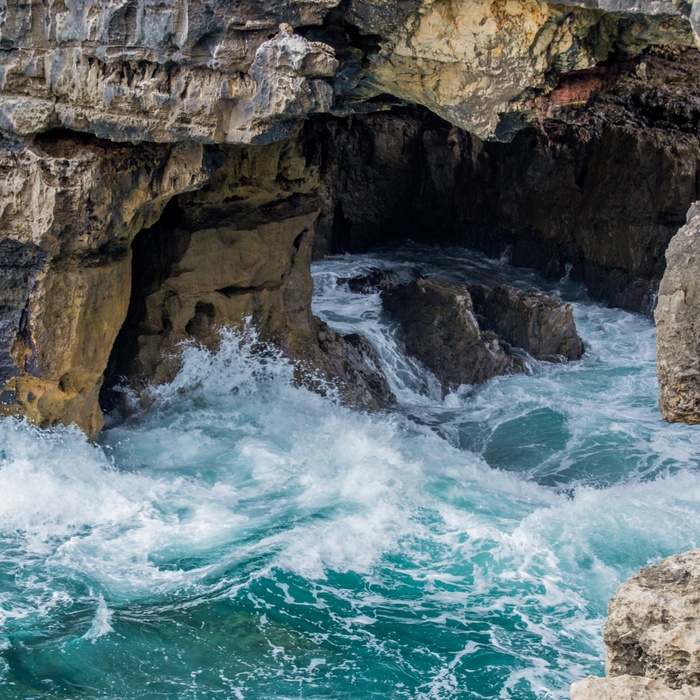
x: 652, y: 635
x: 542, y: 326
x: 111, y: 111
x: 237, y: 252
x: 437, y: 326
x: 677, y: 337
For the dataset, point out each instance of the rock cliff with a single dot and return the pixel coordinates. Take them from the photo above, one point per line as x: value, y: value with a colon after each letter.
x: 156, y: 182
x: 652, y: 635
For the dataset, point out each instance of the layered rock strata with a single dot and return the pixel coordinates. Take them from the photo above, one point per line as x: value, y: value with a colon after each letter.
x: 652, y: 635
x: 677, y: 334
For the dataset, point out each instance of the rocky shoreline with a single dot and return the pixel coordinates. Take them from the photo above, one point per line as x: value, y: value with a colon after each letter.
x: 169, y: 170
x: 652, y: 635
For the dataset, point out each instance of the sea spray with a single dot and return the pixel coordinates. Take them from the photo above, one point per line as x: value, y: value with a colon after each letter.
x: 245, y: 537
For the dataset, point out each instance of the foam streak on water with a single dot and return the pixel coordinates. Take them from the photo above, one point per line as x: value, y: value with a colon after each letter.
x: 246, y: 538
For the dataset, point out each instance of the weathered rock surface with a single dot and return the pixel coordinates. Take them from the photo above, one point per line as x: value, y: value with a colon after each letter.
x: 216, y: 72
x: 542, y: 326
x: 438, y: 327
x: 653, y: 625
x: 110, y: 110
x: 652, y: 635
x: 479, y: 64
x: 677, y: 334
x: 69, y: 208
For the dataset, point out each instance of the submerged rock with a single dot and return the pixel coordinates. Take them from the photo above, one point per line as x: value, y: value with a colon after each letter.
x: 652, y: 635
x: 677, y: 317
x: 438, y: 327
x: 376, y: 280
x: 542, y: 326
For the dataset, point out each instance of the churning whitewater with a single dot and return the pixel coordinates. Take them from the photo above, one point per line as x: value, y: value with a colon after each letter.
x: 243, y: 537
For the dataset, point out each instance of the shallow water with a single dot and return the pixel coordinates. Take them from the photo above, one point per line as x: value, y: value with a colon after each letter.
x: 245, y: 538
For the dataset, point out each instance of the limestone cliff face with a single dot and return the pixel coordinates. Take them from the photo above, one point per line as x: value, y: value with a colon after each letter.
x: 677, y: 338
x: 219, y: 72
x: 652, y: 635
x: 70, y: 207
x: 112, y: 112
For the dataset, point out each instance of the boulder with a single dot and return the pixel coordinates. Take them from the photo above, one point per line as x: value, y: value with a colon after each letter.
x: 437, y: 326
x: 653, y: 625
x: 376, y: 280
x: 537, y: 323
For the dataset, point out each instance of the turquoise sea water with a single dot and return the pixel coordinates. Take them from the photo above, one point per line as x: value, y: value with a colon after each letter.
x: 245, y: 538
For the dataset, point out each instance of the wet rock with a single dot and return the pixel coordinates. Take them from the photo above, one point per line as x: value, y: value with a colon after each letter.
x: 652, y: 635
x: 376, y: 280
x: 677, y: 316
x: 437, y: 326
x: 542, y: 326
x: 353, y: 369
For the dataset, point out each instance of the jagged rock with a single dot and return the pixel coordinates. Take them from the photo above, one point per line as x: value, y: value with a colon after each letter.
x: 376, y: 280
x: 479, y: 64
x: 652, y: 636
x: 437, y: 327
x: 653, y: 625
x: 629, y: 688
x: 186, y: 70
x: 535, y: 322
x: 677, y: 314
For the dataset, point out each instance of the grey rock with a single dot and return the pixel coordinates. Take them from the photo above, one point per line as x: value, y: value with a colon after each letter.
x: 676, y: 315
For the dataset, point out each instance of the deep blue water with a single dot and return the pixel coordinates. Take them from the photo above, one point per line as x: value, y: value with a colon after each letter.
x: 245, y: 538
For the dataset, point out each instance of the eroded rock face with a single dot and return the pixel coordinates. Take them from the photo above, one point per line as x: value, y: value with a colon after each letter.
x: 677, y: 337
x: 180, y: 70
x: 69, y: 207
x: 542, y: 326
x: 652, y: 635
x: 438, y: 327
x: 472, y: 63
x: 238, y: 252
